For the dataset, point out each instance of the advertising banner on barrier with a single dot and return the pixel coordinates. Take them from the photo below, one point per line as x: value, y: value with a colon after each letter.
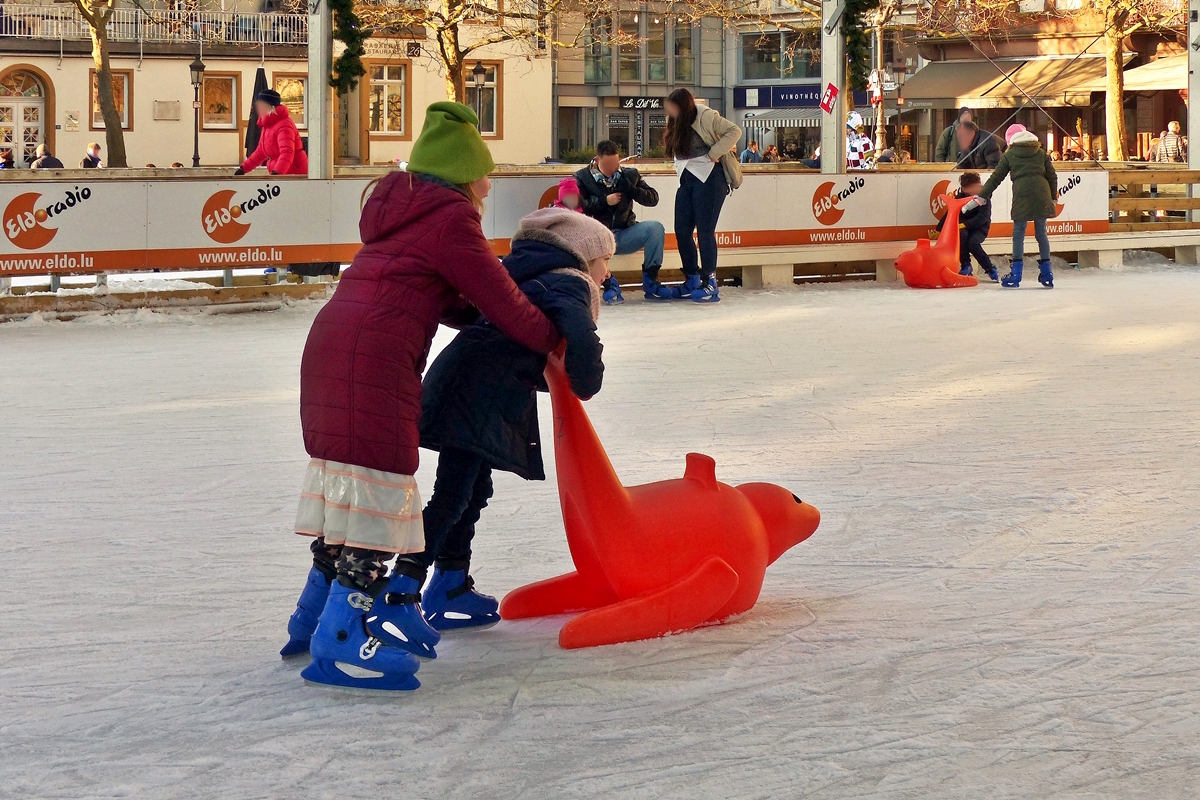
x: 88, y: 226
x: 108, y: 225
x: 237, y: 223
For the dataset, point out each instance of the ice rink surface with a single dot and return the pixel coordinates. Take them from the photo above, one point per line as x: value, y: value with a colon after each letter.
x: 1003, y: 599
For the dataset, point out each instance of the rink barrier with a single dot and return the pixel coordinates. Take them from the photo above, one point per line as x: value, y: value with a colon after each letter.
x: 782, y: 224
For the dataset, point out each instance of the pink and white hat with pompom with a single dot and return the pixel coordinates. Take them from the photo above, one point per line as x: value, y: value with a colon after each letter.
x: 1012, y: 131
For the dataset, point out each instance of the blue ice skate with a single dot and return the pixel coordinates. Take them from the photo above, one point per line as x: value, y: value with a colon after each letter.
x: 1013, y: 279
x: 1045, y: 276
x: 612, y: 291
x: 655, y: 290
x: 304, y: 618
x: 707, y: 292
x: 992, y: 274
x: 345, y: 654
x: 398, y: 620
x: 451, y: 602
x: 966, y: 270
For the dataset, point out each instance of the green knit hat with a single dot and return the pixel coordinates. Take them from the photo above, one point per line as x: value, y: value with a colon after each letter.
x: 450, y: 146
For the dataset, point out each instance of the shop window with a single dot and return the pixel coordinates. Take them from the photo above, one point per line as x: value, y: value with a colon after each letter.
x: 801, y: 54
x: 292, y: 89
x: 777, y: 55
x: 388, y: 98
x: 219, y: 102
x: 486, y: 99
x: 631, y: 47
x: 618, y: 131
x: 122, y: 83
x: 597, y: 51
x: 685, y: 58
x: 656, y: 48
x: 569, y: 134
x: 657, y: 126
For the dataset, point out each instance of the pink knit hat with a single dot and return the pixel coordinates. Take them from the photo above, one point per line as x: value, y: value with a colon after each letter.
x: 1012, y: 131
x: 567, y: 187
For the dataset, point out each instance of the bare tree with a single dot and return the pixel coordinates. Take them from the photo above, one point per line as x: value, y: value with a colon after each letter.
x: 1114, y: 20
x: 457, y: 29
x: 97, y: 13
x: 1122, y: 18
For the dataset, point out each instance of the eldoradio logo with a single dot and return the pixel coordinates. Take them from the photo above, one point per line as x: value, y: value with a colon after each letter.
x: 224, y: 219
x: 30, y: 227
x: 1071, y: 183
x: 827, y: 203
x: 937, y: 199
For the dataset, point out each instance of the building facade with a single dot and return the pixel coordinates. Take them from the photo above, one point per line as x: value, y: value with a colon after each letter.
x: 612, y: 85
x: 47, y: 86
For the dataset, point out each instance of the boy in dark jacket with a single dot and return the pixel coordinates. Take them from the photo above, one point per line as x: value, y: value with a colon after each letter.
x: 479, y: 398
x: 973, y: 226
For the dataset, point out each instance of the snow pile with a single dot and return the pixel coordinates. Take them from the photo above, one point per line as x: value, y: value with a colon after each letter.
x: 1003, y: 599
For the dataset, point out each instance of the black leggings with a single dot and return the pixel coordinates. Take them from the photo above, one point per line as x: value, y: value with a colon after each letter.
x: 971, y: 244
x: 697, y: 207
x: 460, y: 493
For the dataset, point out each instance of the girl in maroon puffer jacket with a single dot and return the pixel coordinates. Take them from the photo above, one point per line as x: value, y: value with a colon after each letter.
x: 424, y: 260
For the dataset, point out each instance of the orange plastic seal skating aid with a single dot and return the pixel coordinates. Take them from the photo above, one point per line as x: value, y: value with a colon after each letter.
x: 655, y: 559
x: 936, y: 267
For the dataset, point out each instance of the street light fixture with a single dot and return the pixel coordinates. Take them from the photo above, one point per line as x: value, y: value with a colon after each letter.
x: 479, y: 76
x: 197, y: 70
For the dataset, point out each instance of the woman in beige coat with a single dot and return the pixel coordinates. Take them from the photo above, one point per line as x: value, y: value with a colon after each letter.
x: 702, y: 143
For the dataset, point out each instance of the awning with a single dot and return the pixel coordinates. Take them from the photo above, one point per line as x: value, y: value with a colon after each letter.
x: 951, y: 84
x: 1051, y: 82
x: 1169, y: 73
x: 985, y: 84
x: 799, y: 118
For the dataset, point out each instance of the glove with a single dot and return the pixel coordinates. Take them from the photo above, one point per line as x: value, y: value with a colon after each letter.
x: 974, y: 203
x: 239, y: 171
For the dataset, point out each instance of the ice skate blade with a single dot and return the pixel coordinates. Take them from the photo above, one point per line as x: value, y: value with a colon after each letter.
x: 329, y: 675
x: 459, y: 628
x: 294, y: 649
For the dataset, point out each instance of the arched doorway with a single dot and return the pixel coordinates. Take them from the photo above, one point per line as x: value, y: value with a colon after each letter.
x: 23, y: 121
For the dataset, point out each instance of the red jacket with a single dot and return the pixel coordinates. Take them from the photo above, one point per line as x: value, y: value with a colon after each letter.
x: 279, y: 145
x: 360, y: 377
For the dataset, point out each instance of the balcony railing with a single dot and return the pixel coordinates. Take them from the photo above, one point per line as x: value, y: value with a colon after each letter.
x: 63, y: 23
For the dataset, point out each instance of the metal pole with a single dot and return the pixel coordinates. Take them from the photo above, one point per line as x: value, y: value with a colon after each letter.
x: 833, y: 71
x: 1193, y: 98
x: 196, y: 128
x: 320, y: 93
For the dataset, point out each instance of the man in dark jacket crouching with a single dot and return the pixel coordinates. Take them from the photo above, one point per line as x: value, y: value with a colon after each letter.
x: 609, y: 191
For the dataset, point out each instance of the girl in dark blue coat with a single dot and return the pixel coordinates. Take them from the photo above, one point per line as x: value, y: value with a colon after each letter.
x: 479, y: 406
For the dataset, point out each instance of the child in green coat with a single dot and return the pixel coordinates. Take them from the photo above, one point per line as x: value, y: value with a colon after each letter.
x: 1035, y: 190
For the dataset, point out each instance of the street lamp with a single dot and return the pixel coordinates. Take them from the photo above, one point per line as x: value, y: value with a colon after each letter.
x: 197, y: 70
x: 479, y: 76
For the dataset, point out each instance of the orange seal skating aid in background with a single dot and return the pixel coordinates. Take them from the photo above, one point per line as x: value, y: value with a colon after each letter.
x: 936, y: 267
x: 654, y: 559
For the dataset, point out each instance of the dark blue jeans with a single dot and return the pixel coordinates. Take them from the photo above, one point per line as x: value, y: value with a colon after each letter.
x: 460, y: 493
x: 697, y: 207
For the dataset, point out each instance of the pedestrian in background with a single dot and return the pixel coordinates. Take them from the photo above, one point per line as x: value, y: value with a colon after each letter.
x: 91, y: 158
x: 45, y: 160
x: 1171, y: 149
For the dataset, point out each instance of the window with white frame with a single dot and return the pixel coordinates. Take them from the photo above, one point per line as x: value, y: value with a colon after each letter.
x: 122, y: 85
x: 385, y: 104
x: 292, y: 90
x: 219, y: 102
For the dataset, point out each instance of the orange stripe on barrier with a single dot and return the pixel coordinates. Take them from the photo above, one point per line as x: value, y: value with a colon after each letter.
x: 251, y: 256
